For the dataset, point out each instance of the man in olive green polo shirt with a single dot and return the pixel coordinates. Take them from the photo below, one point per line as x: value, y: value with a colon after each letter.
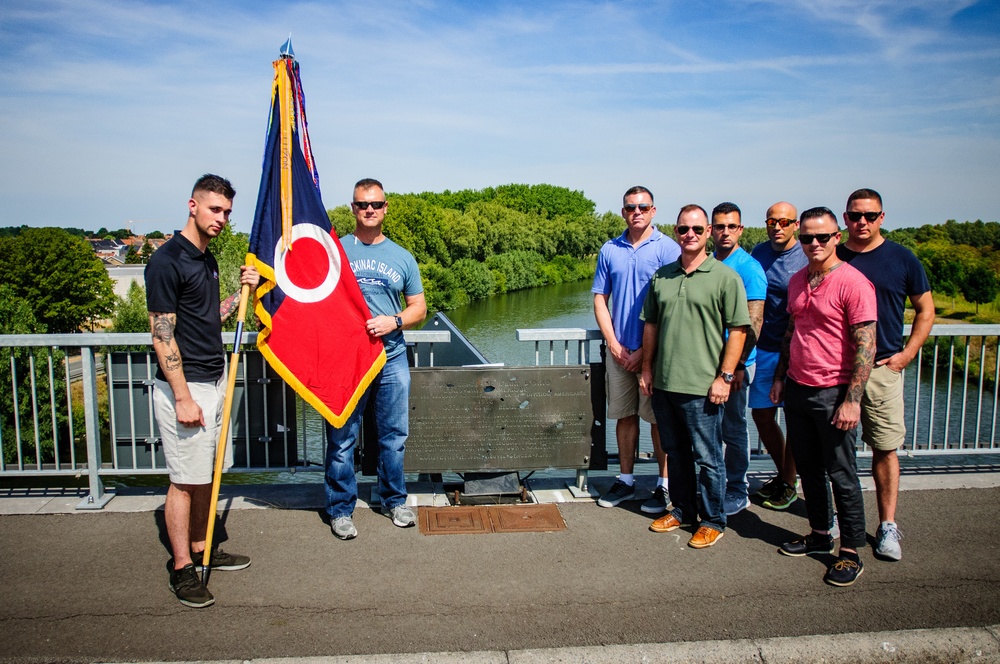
x: 687, y: 367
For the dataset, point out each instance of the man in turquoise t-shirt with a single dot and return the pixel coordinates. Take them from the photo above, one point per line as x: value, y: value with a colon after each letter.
x: 387, y: 275
x: 727, y: 228
x: 688, y: 367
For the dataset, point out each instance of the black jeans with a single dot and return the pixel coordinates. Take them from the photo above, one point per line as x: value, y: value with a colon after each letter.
x: 823, y: 451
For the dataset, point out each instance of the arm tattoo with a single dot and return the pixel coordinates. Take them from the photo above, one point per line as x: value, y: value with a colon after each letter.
x: 163, y: 326
x: 173, y: 362
x: 786, y: 350
x: 863, y: 335
x: 229, y: 305
x: 753, y: 331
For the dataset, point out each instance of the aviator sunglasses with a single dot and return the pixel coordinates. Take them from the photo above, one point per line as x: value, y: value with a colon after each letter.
x: 870, y: 217
x: 644, y: 207
x: 363, y: 205
x: 822, y: 238
x: 682, y: 230
x: 784, y: 223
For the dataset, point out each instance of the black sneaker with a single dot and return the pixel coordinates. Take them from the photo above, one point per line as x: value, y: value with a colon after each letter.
x: 843, y: 572
x: 220, y: 560
x: 782, y: 497
x: 769, y: 487
x: 187, y: 585
x: 657, y: 503
x: 619, y: 492
x: 811, y: 543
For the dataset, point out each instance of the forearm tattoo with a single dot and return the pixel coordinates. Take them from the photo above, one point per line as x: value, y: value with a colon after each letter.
x: 756, y: 308
x: 163, y: 333
x: 786, y: 351
x: 863, y: 335
x: 228, y: 306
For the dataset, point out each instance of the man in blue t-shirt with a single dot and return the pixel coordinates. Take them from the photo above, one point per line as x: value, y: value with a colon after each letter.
x: 897, y: 275
x: 625, y: 265
x: 727, y: 228
x: 387, y: 275
x: 781, y: 257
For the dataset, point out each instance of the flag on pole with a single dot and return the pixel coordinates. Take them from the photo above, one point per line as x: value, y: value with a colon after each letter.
x: 310, y: 306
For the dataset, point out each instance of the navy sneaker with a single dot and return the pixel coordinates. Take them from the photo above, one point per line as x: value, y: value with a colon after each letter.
x: 811, y: 543
x: 618, y: 493
x: 843, y: 572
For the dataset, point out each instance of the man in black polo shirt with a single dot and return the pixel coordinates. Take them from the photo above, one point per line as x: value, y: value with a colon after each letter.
x: 185, y: 316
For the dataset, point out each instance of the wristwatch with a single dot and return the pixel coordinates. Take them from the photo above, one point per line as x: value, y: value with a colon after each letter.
x: 727, y: 378
x: 399, y: 323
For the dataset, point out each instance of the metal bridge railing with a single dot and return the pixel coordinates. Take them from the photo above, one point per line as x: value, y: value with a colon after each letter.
x: 950, y: 389
x: 81, y: 404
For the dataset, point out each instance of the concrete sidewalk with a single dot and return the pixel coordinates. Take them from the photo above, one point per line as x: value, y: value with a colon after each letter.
x: 92, y: 586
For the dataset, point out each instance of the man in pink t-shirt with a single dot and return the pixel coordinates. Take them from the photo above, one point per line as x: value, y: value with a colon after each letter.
x: 826, y: 357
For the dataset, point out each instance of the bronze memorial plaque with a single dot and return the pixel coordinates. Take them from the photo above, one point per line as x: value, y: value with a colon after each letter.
x: 467, y: 419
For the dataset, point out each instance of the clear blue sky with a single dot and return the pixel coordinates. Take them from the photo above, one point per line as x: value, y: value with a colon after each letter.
x: 109, y: 110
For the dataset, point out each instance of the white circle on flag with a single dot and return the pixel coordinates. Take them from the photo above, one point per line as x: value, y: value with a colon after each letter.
x: 321, y: 292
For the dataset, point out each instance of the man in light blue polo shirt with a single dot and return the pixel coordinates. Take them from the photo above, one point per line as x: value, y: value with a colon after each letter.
x: 624, y: 267
x: 727, y: 228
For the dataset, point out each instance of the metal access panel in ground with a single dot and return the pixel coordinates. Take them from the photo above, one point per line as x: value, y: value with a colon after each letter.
x: 472, y: 419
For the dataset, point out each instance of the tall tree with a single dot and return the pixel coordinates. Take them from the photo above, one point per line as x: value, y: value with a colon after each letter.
x: 59, y: 276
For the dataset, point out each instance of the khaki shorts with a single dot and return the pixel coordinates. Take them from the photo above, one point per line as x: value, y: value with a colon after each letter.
x: 882, y: 423
x: 190, y: 452
x: 624, y: 397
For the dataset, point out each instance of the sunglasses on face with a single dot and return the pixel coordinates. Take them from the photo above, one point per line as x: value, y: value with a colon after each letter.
x: 822, y: 238
x: 683, y: 230
x: 784, y: 223
x: 363, y: 205
x: 732, y: 228
x: 870, y: 217
x: 644, y: 207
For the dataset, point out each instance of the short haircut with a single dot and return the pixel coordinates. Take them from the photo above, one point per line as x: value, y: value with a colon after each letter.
x: 689, y: 208
x: 368, y: 183
x: 214, y: 184
x: 819, y: 213
x: 864, y: 195
x: 637, y: 189
x: 727, y: 208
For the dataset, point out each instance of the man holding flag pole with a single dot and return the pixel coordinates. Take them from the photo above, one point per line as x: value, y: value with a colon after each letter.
x: 185, y: 317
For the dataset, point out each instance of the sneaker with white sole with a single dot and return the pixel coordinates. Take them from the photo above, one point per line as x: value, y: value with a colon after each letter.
x: 220, y: 560
x: 887, y: 541
x: 735, y: 503
x: 343, y: 528
x: 657, y: 503
x: 618, y: 493
x: 402, y: 516
x: 187, y: 585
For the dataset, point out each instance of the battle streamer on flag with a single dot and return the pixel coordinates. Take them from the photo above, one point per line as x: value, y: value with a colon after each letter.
x: 309, y: 304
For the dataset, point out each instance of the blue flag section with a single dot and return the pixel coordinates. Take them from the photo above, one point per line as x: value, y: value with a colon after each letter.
x: 310, y: 306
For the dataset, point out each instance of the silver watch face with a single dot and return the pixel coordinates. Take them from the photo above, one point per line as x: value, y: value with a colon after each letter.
x: 727, y: 377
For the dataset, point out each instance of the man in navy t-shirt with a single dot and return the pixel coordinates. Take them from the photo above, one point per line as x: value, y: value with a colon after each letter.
x: 897, y: 275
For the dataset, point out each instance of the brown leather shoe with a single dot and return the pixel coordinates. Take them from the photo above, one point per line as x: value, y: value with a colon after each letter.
x: 665, y: 524
x: 705, y: 537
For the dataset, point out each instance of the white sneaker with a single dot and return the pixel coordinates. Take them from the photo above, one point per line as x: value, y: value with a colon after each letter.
x: 887, y: 541
x: 402, y: 516
x: 343, y: 528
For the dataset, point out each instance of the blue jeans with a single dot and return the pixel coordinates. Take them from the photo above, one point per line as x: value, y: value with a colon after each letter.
x: 691, y: 435
x: 734, y: 432
x: 390, y: 395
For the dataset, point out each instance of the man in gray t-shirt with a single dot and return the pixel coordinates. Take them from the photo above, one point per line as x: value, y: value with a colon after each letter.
x: 388, y: 277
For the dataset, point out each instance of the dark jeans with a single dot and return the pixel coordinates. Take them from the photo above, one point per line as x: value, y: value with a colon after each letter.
x: 823, y: 451
x: 691, y: 435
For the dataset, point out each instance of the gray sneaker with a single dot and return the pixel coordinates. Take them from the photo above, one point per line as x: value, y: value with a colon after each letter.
x: 887, y: 541
x: 343, y: 528
x: 402, y: 516
x: 657, y: 503
x: 734, y: 503
x: 619, y: 492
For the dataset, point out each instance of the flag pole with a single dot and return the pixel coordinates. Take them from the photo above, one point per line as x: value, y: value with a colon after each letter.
x: 220, y: 448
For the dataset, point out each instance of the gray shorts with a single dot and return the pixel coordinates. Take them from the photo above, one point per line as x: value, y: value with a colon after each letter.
x: 624, y: 397
x: 190, y: 451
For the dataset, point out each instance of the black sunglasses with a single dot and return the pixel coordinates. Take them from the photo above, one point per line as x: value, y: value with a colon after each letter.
x: 870, y: 217
x: 784, y: 223
x: 726, y: 227
x: 630, y: 207
x: 682, y: 230
x: 363, y: 205
x: 822, y: 238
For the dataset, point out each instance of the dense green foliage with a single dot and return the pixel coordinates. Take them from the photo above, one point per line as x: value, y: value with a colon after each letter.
x: 130, y: 312
x: 471, y: 244
x: 59, y: 276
